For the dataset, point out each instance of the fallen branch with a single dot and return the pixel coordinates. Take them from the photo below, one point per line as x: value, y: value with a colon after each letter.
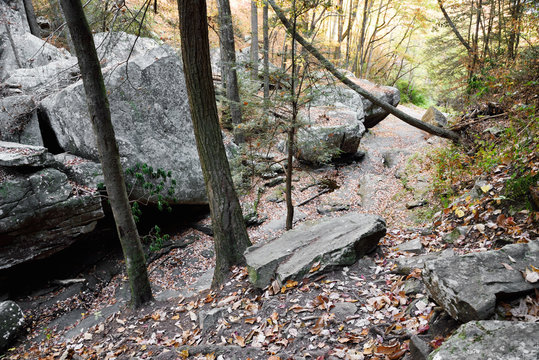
x: 166, y: 249
x: 460, y: 126
x: 431, y: 129
x: 314, y: 197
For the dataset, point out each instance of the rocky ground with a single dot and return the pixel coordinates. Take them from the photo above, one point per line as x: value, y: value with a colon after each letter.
x: 376, y: 308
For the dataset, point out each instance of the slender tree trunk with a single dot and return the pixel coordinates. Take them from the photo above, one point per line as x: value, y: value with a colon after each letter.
x: 340, y: 27
x: 254, y: 39
x: 434, y: 130
x: 31, y: 17
x: 454, y: 28
x: 476, y: 40
x: 292, y: 128
x: 228, y: 55
x: 230, y: 235
x: 265, y: 30
x: 109, y: 156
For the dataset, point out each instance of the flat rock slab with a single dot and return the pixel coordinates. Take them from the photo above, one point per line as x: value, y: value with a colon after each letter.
x: 14, y: 154
x: 467, y: 286
x: 405, y: 265
x: 331, y: 242
x: 491, y: 340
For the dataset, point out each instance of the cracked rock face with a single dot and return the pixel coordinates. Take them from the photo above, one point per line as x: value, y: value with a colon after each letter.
x: 327, y: 244
x: 40, y: 213
x: 491, y: 340
x: 467, y: 286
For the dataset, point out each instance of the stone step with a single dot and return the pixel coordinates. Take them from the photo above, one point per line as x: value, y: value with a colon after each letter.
x: 332, y: 242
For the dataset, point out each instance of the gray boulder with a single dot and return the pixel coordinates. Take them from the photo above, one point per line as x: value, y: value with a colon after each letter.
x: 326, y: 244
x: 337, y: 95
x: 29, y: 52
x: 467, y: 286
x: 46, y: 79
x: 329, y: 133
x: 405, y: 265
x: 117, y: 47
x: 41, y: 213
x: 151, y: 117
x: 82, y: 171
x: 18, y: 120
x: 491, y: 340
x: 434, y: 117
x: 17, y: 155
x: 11, y: 322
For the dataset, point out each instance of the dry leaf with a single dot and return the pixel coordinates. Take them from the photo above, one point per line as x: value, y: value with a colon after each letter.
x: 507, y: 266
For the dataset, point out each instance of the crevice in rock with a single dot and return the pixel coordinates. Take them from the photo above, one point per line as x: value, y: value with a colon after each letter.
x: 50, y: 141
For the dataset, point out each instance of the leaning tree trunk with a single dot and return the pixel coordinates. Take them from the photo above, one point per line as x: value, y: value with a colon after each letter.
x: 226, y: 33
x: 31, y: 17
x: 431, y: 129
x: 230, y: 235
x: 98, y: 107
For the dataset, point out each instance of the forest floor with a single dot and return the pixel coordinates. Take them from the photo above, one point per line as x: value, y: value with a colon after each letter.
x: 365, y: 311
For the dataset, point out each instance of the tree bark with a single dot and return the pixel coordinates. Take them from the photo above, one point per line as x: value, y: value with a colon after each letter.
x: 31, y: 17
x: 230, y: 235
x: 98, y: 107
x: 228, y: 56
x: 431, y: 129
x: 254, y: 39
x: 265, y: 30
x: 454, y: 28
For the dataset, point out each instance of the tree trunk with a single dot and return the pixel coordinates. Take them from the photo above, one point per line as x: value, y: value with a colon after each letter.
x: 476, y: 41
x: 98, y: 107
x: 31, y: 17
x: 230, y: 235
x: 254, y: 39
x: 292, y: 128
x: 454, y: 28
x: 228, y: 56
x: 265, y: 30
x: 431, y: 129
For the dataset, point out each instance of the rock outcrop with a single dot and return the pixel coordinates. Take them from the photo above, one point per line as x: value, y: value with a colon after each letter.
x: 466, y: 286
x: 330, y: 133
x: 41, y: 210
x: 339, y: 96
x: 151, y: 117
x: 320, y: 246
x: 18, y: 120
x: 11, y: 322
x: 505, y: 340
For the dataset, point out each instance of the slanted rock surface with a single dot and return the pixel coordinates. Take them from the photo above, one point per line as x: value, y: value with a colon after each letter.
x: 151, y: 117
x: 16, y: 155
x: 41, y: 211
x: 11, y: 322
x: 18, y: 120
x: 491, y: 340
x: 466, y: 286
x: 330, y: 132
x: 327, y: 244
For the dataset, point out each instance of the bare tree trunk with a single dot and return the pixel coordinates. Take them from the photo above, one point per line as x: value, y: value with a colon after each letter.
x: 292, y: 127
x: 476, y: 40
x: 265, y: 30
x: 254, y: 39
x: 434, y: 130
x: 230, y: 235
x: 454, y: 28
x: 228, y: 55
x: 31, y: 17
x: 98, y: 107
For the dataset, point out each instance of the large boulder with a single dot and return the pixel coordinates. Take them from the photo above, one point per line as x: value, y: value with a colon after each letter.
x: 41, y: 210
x: 466, y: 286
x: 329, y: 133
x: 491, y: 340
x: 151, y: 118
x: 29, y: 52
x: 324, y: 245
x: 11, y: 323
x: 117, y: 47
x: 341, y: 96
x: 18, y: 120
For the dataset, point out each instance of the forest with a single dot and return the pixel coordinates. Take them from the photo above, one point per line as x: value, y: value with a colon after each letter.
x: 269, y: 179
